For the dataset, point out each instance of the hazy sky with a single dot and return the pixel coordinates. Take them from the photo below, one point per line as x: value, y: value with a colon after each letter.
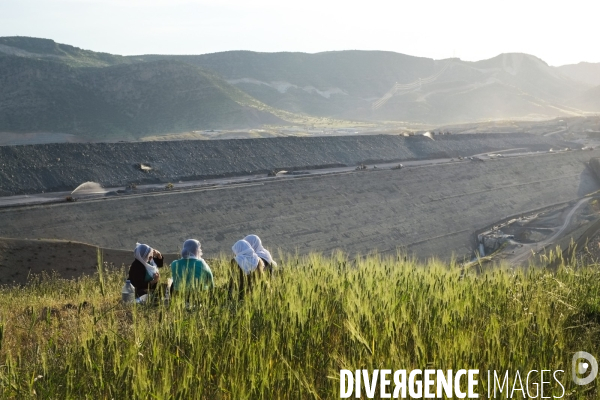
x: 469, y: 29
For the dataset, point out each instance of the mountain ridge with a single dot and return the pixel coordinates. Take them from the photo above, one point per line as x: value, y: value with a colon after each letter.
x: 61, y: 88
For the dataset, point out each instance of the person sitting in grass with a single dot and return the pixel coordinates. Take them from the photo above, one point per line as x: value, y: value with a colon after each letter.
x: 261, y: 252
x: 191, y: 272
x: 248, y: 267
x: 143, y: 272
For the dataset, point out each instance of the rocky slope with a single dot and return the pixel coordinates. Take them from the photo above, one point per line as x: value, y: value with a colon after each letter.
x: 55, y: 167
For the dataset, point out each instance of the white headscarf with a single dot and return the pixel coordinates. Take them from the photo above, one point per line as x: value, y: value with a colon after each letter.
x: 245, y: 256
x: 141, y: 252
x: 258, y: 248
x: 191, y: 249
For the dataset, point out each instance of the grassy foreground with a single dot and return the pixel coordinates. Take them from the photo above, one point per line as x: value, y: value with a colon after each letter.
x: 73, y: 339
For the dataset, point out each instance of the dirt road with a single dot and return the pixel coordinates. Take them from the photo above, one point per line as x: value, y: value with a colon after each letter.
x: 522, y: 254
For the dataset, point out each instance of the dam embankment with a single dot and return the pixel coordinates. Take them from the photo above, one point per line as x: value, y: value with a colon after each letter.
x: 59, y: 167
x: 430, y: 210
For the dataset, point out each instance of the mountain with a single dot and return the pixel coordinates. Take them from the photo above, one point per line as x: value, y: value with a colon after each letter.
x: 505, y: 87
x: 57, y: 88
x: 585, y: 72
x: 121, y: 101
x: 377, y: 85
x: 336, y: 83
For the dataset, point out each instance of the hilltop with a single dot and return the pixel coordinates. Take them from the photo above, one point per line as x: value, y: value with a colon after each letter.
x: 37, y: 48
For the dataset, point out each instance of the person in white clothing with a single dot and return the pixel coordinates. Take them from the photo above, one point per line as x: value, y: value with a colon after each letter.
x: 260, y: 251
x: 247, y: 265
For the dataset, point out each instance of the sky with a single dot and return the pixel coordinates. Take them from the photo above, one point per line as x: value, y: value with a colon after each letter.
x: 564, y: 33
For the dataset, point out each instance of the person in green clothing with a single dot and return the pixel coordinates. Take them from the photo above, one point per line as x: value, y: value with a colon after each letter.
x: 191, y: 272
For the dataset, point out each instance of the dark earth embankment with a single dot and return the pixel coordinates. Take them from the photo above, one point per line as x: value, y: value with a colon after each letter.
x: 59, y: 167
x: 430, y: 210
x: 19, y: 259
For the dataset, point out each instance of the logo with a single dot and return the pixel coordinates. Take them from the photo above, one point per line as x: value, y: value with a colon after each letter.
x: 582, y: 363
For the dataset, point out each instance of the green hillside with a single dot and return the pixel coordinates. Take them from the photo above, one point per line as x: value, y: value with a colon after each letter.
x: 120, y: 101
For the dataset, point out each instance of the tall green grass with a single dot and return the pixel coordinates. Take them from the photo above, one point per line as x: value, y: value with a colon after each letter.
x: 289, y: 338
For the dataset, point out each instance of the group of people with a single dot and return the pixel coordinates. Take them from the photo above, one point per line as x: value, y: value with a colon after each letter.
x: 191, y: 272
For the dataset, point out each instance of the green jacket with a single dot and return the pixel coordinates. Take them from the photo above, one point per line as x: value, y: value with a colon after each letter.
x: 191, y: 274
